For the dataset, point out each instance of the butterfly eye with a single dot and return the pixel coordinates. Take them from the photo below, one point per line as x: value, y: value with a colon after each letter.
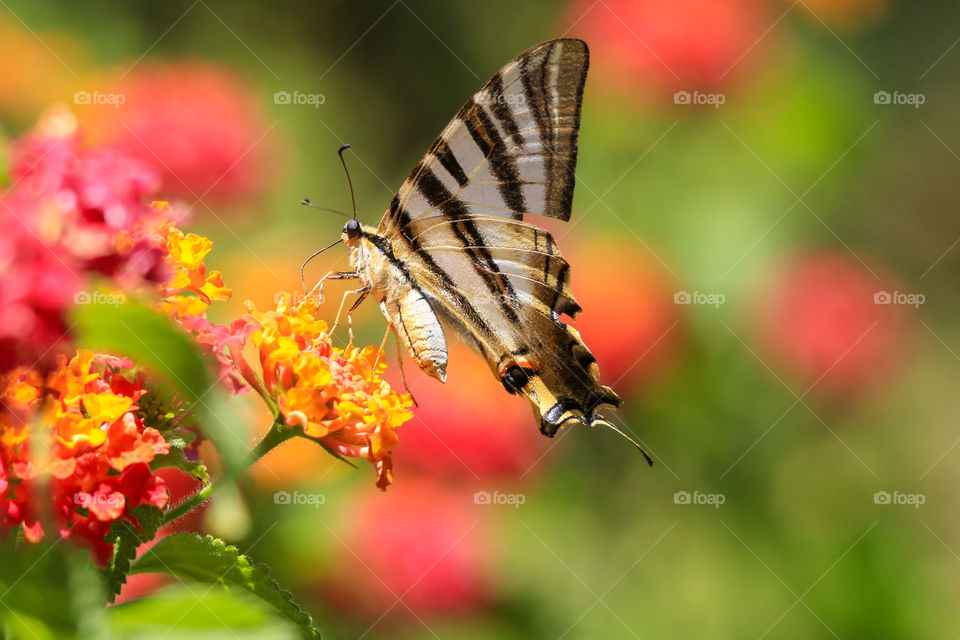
x: 515, y: 379
x: 352, y: 229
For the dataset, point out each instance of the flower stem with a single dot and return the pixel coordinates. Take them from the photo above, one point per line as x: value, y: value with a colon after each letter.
x: 277, y: 435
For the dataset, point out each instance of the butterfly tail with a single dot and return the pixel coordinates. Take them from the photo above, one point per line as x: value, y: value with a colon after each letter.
x: 566, y: 390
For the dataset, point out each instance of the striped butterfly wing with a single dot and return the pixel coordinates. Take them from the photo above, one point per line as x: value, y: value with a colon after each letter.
x: 457, y: 224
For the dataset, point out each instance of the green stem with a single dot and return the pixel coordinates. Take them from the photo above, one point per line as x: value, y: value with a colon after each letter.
x: 278, y: 434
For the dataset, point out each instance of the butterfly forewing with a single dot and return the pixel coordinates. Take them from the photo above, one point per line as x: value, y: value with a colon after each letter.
x: 511, y: 149
x: 455, y: 232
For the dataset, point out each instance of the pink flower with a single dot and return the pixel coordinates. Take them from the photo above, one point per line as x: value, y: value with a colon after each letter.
x: 422, y: 544
x: 199, y: 123
x: 822, y: 324
x: 71, y: 213
x: 637, y: 45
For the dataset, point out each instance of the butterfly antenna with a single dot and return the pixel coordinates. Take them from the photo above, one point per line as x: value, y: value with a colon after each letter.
x: 305, y: 202
x: 631, y: 440
x: 303, y: 280
x: 349, y: 181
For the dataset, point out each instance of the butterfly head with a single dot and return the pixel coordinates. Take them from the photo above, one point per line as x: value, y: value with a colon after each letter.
x: 351, y: 232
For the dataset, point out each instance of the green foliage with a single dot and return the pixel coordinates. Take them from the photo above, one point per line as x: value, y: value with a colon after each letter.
x: 187, y: 611
x: 179, y: 440
x: 33, y: 577
x: 127, y: 539
x: 211, y: 561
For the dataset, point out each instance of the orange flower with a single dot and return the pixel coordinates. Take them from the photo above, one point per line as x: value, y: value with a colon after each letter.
x: 99, y: 450
x: 335, y: 396
x: 185, y: 257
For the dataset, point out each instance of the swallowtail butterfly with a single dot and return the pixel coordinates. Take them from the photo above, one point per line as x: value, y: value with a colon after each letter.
x: 453, y: 243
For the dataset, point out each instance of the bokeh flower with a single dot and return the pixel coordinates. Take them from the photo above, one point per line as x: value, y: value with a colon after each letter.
x: 639, y: 45
x: 71, y: 215
x: 614, y: 278
x: 437, y: 561
x: 198, y: 122
x: 469, y: 430
x: 38, y: 79
x: 825, y: 321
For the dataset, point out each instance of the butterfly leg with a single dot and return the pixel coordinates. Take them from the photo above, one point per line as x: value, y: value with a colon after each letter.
x: 383, y: 344
x: 362, y: 291
x: 403, y: 376
x: 363, y: 295
x: 331, y: 275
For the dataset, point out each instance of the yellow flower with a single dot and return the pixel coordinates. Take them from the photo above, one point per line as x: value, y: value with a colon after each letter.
x: 186, y: 253
x: 188, y: 250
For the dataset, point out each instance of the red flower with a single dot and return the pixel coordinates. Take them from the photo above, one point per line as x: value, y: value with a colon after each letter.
x: 423, y: 545
x: 199, y: 123
x: 683, y: 44
x: 822, y: 324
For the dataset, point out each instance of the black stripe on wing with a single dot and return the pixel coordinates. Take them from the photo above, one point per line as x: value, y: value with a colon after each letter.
x: 523, y: 125
x: 469, y: 236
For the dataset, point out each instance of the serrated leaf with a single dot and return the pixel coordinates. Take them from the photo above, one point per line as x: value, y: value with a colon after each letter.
x: 212, y: 561
x: 127, y: 539
x: 151, y: 338
x: 177, y: 460
x: 180, y: 439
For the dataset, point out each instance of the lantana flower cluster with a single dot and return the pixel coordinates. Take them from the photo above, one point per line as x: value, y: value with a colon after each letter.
x: 78, y: 453
x: 336, y: 396
x: 78, y: 431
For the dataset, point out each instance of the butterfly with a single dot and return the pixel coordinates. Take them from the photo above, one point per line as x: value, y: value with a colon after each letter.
x: 453, y: 244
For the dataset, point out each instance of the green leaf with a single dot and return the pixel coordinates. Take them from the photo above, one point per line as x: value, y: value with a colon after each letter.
x: 127, y: 539
x: 148, y: 337
x: 212, y: 561
x: 151, y: 338
x: 180, y: 439
x: 195, y: 611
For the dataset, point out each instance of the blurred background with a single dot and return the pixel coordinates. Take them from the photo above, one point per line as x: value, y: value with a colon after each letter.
x: 764, y: 240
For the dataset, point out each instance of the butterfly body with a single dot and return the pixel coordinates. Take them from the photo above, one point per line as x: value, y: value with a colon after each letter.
x: 403, y: 304
x: 453, y: 243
